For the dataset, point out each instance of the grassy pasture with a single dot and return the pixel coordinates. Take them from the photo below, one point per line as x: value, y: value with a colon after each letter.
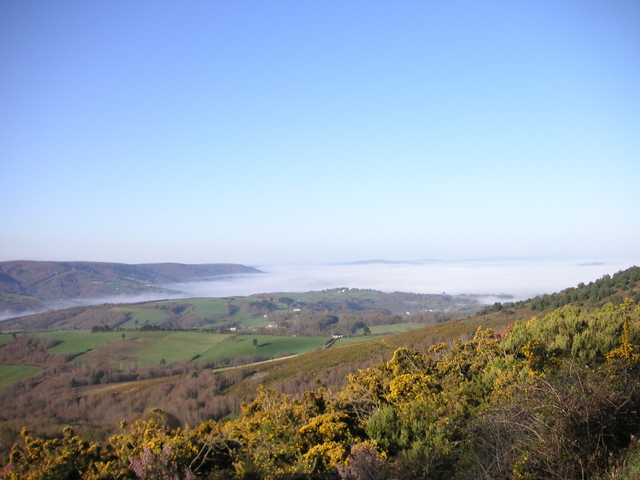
x: 12, y: 297
x: 120, y: 353
x: 14, y: 373
x: 178, y: 347
x: 139, y: 349
x: 268, y: 345
x: 209, y: 308
x: 258, y: 322
x: 81, y: 340
x: 143, y: 314
x: 5, y: 339
x: 143, y: 349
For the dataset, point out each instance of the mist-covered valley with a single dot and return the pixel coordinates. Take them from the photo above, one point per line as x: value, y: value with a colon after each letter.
x: 490, y: 279
x: 518, y: 278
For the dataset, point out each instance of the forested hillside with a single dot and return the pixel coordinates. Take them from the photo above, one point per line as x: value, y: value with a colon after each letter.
x: 25, y: 285
x: 342, y: 311
x: 624, y: 284
x: 555, y: 397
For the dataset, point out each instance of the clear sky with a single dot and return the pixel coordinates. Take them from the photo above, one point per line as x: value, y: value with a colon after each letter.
x: 318, y: 131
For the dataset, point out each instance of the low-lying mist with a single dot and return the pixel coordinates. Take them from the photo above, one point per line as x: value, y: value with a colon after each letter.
x: 521, y: 279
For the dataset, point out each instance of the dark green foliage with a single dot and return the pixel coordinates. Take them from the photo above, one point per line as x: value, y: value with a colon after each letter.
x: 153, y: 328
x: 231, y: 309
x: 571, y: 332
x: 385, y: 428
x: 287, y: 301
x: 96, y: 377
x: 67, y: 280
x: 595, y: 294
x: 102, y: 328
x: 258, y: 307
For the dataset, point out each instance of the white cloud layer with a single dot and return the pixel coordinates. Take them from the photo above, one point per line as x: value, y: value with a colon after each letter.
x: 520, y: 278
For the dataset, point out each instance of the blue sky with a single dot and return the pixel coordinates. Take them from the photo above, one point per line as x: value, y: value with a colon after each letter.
x: 318, y: 131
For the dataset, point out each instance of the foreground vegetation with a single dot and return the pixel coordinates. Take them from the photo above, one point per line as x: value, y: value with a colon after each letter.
x: 93, y: 381
x: 555, y: 397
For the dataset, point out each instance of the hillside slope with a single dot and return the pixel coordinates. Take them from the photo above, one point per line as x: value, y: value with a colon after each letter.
x: 335, y: 311
x: 558, y: 397
x: 608, y: 289
x: 24, y: 285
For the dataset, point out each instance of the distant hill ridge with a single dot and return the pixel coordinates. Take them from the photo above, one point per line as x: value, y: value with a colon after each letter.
x: 46, y: 280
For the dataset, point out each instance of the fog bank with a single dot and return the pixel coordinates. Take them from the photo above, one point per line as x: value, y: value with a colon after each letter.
x: 520, y: 278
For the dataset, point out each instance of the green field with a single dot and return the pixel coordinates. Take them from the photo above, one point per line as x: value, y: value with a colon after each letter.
x: 178, y: 347
x: 5, y: 339
x: 154, y: 314
x: 82, y: 340
x: 142, y: 314
x: 209, y: 307
x: 139, y: 349
x: 143, y: 349
x: 14, y: 373
x: 268, y: 345
x: 258, y: 322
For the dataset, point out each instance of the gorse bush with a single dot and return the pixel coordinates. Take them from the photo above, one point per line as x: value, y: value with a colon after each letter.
x: 570, y: 332
x: 557, y: 398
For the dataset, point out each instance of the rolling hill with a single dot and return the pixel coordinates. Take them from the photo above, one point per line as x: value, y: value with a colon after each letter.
x: 28, y: 285
x: 339, y: 310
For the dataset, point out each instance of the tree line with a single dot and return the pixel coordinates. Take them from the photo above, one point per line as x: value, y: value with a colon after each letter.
x: 614, y: 289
